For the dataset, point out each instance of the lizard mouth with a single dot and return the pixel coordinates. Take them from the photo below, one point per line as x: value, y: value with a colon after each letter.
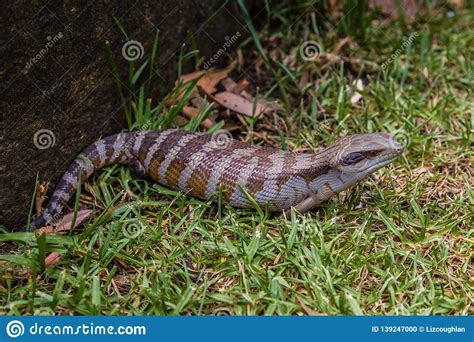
x: 371, y: 165
x: 385, y: 160
x: 388, y: 156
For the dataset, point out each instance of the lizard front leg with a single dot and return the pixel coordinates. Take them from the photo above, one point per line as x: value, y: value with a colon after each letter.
x: 302, y: 207
x: 306, y: 204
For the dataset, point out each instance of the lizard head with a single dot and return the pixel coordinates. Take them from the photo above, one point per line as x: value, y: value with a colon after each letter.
x: 351, y: 159
x: 359, y: 155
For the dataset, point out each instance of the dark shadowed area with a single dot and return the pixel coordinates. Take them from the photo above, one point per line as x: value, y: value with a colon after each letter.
x: 56, y: 85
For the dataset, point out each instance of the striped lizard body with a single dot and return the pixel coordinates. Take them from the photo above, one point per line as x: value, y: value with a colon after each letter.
x: 202, y: 165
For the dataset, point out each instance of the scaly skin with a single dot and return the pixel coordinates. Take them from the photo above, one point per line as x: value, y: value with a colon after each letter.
x: 202, y: 165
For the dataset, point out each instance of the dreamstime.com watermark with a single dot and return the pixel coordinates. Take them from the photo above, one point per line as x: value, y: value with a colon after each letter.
x: 229, y: 41
x: 44, y: 138
x: 51, y: 41
x: 133, y: 229
x: 132, y: 50
x: 310, y: 50
x: 221, y: 138
x: 16, y: 329
x: 407, y: 42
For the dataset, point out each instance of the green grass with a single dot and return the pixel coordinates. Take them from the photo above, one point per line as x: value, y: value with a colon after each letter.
x: 399, y: 243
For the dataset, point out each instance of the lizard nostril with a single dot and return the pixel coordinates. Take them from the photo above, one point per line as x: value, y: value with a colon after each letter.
x: 397, y: 146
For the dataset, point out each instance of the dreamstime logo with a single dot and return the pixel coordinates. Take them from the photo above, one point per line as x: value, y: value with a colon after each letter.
x: 132, y: 50
x: 229, y: 41
x: 221, y: 138
x: 407, y: 42
x: 403, y: 138
x: 51, y: 41
x: 50, y: 219
x: 310, y: 50
x: 15, y: 329
x: 44, y: 138
x: 50, y: 90
x: 133, y: 229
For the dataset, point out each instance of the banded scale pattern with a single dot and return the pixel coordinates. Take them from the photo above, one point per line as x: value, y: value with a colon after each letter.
x: 198, y: 164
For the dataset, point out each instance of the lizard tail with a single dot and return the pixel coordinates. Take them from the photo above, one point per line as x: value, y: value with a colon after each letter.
x: 110, y: 150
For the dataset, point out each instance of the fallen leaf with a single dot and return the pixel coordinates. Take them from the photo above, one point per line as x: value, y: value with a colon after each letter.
x: 304, y: 80
x: 192, y: 112
x: 269, y: 106
x: 229, y: 84
x: 340, y: 44
x: 239, y: 87
x: 458, y: 4
x: 307, y: 309
x: 52, y: 259
x: 238, y: 104
x: 199, y: 102
x: 191, y: 76
x: 390, y: 8
x: 40, y: 197
x: 210, y: 79
x: 334, y: 9
x: 65, y: 223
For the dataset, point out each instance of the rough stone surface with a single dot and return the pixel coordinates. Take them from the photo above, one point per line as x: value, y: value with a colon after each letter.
x: 54, y: 76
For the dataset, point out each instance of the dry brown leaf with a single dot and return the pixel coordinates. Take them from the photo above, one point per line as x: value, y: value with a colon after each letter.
x: 304, y: 80
x: 238, y: 104
x: 243, y: 83
x: 334, y: 9
x: 389, y: 8
x: 210, y: 79
x: 192, y: 112
x: 247, y: 96
x: 228, y: 84
x: 199, y: 102
x: 65, y: 223
x: 458, y: 4
x: 340, y: 44
x: 238, y: 88
x: 234, y: 98
x: 52, y: 259
x: 191, y: 76
x: 208, y: 82
x: 307, y: 309
x: 40, y: 197
x: 269, y: 106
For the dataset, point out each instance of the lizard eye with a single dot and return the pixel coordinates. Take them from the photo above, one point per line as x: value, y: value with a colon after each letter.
x: 352, y: 158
